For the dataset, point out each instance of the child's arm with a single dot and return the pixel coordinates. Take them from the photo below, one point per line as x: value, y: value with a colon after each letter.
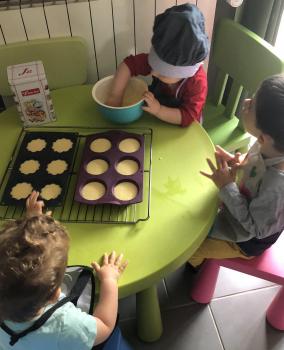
x: 192, y: 99
x: 167, y: 114
x: 131, y: 66
x: 192, y: 95
x: 261, y: 216
x: 106, y: 309
x: 119, y: 84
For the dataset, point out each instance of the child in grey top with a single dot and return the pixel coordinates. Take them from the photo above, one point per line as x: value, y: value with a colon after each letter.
x: 252, y: 214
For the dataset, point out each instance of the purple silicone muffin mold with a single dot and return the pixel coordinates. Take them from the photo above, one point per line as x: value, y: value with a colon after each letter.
x: 111, y: 177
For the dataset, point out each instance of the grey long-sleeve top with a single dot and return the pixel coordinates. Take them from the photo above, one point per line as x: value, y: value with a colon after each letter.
x: 240, y: 219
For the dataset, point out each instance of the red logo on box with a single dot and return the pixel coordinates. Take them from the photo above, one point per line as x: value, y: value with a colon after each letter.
x: 30, y: 92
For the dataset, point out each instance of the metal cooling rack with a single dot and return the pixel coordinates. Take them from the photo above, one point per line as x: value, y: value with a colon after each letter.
x: 72, y: 211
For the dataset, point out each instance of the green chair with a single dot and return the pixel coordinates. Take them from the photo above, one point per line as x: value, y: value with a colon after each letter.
x: 247, y: 59
x: 64, y: 60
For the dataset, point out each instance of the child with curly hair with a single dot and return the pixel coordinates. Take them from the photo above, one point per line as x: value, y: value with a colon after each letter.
x: 33, y: 259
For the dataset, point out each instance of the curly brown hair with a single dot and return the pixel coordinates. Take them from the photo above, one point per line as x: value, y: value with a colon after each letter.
x: 33, y: 258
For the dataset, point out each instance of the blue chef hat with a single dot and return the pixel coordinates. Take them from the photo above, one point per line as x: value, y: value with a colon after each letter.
x: 179, y: 42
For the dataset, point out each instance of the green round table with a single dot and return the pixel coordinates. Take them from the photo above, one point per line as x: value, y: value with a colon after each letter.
x: 183, y: 203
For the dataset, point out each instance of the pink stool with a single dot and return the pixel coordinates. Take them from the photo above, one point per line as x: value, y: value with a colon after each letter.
x: 268, y: 266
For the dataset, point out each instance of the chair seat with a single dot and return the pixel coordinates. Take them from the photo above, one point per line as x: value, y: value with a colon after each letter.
x: 223, y: 131
x: 269, y: 265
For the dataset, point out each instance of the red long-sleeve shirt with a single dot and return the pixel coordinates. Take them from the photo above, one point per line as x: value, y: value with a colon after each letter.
x: 192, y: 93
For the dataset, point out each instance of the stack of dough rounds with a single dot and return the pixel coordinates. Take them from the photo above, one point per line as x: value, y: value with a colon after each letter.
x: 29, y: 167
x: 57, y: 167
x: 50, y: 191
x: 125, y: 191
x: 129, y: 145
x: 93, y: 191
x: 62, y: 145
x: 100, y: 145
x: 21, y: 190
x: 127, y: 167
x: 36, y: 145
x: 97, y: 167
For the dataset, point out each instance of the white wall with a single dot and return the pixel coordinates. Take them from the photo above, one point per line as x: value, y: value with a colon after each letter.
x: 113, y: 29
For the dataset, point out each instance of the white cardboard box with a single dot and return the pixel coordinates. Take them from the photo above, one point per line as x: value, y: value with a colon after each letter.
x: 31, y: 93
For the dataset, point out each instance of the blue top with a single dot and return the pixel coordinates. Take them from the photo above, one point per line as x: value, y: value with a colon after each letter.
x: 67, y: 328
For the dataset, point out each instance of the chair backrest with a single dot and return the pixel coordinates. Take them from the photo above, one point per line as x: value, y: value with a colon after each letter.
x: 64, y: 60
x: 269, y: 265
x: 245, y: 57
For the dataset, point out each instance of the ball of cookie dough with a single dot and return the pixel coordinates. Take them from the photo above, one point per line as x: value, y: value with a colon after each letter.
x: 129, y: 145
x: 97, y: 167
x: 93, y: 191
x: 29, y: 166
x: 57, y: 167
x: 100, y: 145
x: 62, y: 145
x: 36, y: 145
x: 127, y: 167
x: 21, y: 190
x: 125, y: 191
x: 50, y: 191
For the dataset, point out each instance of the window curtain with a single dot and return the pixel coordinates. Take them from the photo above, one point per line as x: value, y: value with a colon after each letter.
x: 262, y: 17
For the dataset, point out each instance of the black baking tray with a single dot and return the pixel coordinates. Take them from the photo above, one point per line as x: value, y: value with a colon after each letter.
x: 41, y: 178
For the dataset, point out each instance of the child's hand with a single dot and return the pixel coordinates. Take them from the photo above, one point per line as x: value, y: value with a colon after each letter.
x: 223, y: 174
x: 112, y: 268
x: 153, y: 105
x: 114, y: 101
x: 231, y: 159
x: 34, y: 206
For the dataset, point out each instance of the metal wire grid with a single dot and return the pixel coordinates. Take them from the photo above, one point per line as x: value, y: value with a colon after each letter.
x: 72, y: 211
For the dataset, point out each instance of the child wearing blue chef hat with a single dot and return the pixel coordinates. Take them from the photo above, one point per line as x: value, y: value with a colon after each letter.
x: 179, y: 87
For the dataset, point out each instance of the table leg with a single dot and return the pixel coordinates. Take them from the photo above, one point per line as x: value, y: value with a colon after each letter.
x: 149, y: 322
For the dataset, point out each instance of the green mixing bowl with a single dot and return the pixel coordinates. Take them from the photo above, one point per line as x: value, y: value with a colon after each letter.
x: 132, y: 100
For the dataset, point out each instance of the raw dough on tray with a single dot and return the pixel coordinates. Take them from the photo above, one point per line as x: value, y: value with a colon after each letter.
x: 125, y: 191
x: 29, y: 166
x: 129, y: 145
x: 97, y: 167
x: 62, y: 145
x: 36, y: 145
x: 93, y: 191
x: 50, y: 191
x: 21, y: 190
x: 57, y: 167
x: 127, y: 167
x: 100, y: 145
